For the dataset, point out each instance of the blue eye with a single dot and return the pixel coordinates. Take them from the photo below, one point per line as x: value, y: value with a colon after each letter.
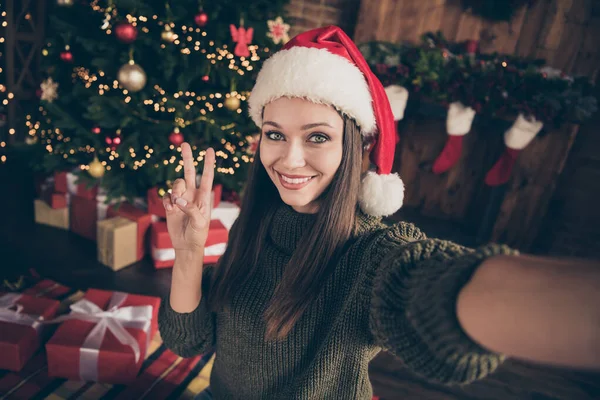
x: 318, y: 138
x: 273, y: 135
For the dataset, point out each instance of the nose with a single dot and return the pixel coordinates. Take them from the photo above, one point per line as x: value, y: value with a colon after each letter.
x: 293, y: 156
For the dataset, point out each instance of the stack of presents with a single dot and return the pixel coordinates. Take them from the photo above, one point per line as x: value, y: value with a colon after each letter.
x: 102, y: 337
x: 124, y: 232
x: 60, y: 343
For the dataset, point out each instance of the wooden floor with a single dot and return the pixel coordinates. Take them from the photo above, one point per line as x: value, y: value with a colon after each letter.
x: 70, y: 259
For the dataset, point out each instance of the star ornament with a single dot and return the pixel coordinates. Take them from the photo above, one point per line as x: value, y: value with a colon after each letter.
x: 278, y: 30
x: 49, y: 90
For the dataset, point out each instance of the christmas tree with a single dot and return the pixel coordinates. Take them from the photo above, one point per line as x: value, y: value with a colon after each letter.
x: 127, y: 81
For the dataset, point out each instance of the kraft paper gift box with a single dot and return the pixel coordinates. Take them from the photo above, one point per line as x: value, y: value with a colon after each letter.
x: 163, y: 254
x: 117, y: 242
x: 21, y: 330
x: 44, y: 214
x: 140, y: 217
x: 155, y: 202
x: 105, y: 337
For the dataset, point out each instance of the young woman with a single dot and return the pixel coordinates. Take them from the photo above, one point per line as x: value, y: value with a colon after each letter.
x: 313, y: 285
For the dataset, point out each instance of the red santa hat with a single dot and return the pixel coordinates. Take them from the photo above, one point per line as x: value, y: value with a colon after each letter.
x: 324, y: 66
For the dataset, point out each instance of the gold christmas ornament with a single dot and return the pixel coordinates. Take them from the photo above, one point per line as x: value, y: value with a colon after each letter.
x: 64, y: 3
x: 96, y: 169
x: 232, y: 103
x: 132, y: 77
x: 168, y: 35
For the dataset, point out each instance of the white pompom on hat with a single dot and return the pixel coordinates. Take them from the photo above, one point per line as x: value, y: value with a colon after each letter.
x: 324, y: 66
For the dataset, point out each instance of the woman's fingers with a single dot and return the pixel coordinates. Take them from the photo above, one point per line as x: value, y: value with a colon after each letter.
x: 167, y: 202
x: 208, y: 175
x: 189, y: 171
x: 179, y: 188
x: 193, y: 212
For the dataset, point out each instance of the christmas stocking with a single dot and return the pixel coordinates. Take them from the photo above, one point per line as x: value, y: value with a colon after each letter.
x: 398, y: 97
x: 520, y: 134
x: 458, y: 124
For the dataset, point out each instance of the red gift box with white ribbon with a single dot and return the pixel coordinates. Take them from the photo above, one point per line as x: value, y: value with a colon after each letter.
x: 22, y: 331
x: 105, y: 337
x: 163, y: 253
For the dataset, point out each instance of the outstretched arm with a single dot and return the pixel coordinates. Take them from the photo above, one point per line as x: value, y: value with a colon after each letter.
x: 536, y: 309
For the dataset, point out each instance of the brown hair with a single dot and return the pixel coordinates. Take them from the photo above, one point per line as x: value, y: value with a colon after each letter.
x: 333, y: 227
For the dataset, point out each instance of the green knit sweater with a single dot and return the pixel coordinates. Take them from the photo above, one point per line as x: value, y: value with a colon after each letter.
x: 393, y: 289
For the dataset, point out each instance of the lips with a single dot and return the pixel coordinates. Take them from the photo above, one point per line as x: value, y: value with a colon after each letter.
x: 294, y: 182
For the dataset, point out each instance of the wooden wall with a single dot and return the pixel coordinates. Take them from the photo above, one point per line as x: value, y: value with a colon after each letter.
x: 550, y: 203
x: 309, y: 14
x: 564, y: 32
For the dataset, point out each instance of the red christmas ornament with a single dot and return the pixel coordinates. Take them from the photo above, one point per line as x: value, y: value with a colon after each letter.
x: 96, y: 130
x: 117, y: 141
x: 201, y: 19
x: 205, y: 78
x: 176, y: 137
x: 126, y: 32
x: 66, y: 56
x: 108, y: 140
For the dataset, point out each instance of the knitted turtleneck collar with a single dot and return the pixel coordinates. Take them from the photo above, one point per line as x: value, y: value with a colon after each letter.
x: 289, y: 226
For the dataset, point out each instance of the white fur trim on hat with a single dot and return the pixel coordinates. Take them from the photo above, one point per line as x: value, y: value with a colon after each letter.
x: 522, y: 132
x: 459, y: 119
x: 398, y: 97
x: 381, y: 195
x: 318, y: 76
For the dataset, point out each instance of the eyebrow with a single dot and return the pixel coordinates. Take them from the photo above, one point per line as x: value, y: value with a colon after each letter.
x: 304, y: 127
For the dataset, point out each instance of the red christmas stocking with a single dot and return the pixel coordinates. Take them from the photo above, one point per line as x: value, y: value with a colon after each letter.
x: 520, y: 134
x: 458, y: 124
x: 449, y: 156
x: 501, y: 171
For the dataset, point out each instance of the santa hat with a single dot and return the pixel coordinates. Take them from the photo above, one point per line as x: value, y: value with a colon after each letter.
x: 324, y: 66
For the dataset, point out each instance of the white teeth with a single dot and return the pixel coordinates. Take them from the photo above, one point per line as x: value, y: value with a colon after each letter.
x: 295, y: 181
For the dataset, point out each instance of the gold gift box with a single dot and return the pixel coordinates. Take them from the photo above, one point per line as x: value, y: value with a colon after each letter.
x: 56, y: 217
x: 117, y: 242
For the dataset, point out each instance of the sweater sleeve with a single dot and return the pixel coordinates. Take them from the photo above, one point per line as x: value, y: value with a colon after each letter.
x: 413, y: 301
x: 188, y: 334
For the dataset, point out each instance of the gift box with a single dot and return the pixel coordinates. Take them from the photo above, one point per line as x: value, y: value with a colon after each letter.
x: 44, y: 214
x: 86, y: 192
x: 163, y: 254
x: 117, y: 242
x: 65, y: 182
x: 83, y: 216
x: 140, y: 217
x: 56, y: 200
x: 104, y: 338
x: 155, y: 202
x: 21, y: 333
x: 227, y: 213
x: 47, y: 288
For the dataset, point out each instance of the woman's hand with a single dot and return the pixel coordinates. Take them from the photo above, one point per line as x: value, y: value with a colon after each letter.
x: 188, y: 206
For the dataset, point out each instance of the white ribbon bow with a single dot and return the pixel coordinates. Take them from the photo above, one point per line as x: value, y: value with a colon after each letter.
x: 11, y: 312
x: 115, y: 319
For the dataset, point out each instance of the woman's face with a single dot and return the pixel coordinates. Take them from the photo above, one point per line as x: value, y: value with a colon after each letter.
x: 301, y: 149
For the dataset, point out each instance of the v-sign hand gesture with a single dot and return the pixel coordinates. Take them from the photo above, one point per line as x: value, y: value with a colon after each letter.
x: 188, y: 206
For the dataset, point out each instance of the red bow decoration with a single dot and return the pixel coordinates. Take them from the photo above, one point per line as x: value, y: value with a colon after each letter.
x: 243, y: 37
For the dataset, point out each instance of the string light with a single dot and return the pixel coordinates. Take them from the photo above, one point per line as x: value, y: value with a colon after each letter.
x: 192, y: 41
